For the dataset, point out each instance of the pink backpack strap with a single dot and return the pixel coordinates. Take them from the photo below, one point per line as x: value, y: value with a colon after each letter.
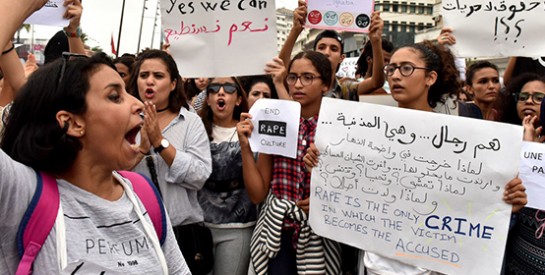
x: 151, y: 199
x: 37, y: 222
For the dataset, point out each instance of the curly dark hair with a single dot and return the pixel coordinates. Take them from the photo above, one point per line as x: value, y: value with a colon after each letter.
x: 509, y: 98
x: 176, y: 98
x: 32, y: 135
x: 440, y: 60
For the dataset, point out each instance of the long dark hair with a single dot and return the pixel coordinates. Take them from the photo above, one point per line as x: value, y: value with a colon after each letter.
x: 249, y: 81
x: 176, y: 98
x: 32, y: 134
x: 207, y: 115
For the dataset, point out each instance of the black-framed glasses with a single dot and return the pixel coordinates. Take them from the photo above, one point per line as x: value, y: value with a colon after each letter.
x: 536, y: 97
x: 405, y: 69
x: 305, y: 78
x: 214, y: 88
x: 65, y: 57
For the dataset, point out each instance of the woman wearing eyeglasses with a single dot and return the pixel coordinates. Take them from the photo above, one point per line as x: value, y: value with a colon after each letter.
x: 421, y: 76
x: 523, y: 98
x: 283, y: 242
x: 228, y: 211
x: 525, y: 251
x: 174, y: 153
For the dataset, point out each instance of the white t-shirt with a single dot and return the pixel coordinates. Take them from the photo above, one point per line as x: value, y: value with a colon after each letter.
x: 107, y: 234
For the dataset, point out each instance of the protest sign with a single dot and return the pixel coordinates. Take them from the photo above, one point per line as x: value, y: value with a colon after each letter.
x: 342, y: 15
x: 532, y: 173
x: 387, y: 100
x: 348, y: 67
x: 211, y: 38
x: 276, y: 126
x: 495, y: 27
x: 418, y: 187
x: 51, y: 14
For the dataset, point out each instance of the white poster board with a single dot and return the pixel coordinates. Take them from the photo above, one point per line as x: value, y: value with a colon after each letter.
x: 276, y: 127
x: 387, y: 100
x: 351, y: 15
x: 496, y: 27
x: 419, y: 187
x: 348, y: 67
x: 214, y: 38
x: 532, y: 173
x: 51, y: 14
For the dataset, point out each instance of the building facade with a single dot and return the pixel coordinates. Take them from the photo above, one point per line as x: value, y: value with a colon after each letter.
x: 403, y: 19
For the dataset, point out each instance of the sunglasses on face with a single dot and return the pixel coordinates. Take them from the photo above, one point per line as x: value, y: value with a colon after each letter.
x: 227, y: 87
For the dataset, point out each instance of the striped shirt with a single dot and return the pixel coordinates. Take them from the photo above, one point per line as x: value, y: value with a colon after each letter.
x: 315, y: 255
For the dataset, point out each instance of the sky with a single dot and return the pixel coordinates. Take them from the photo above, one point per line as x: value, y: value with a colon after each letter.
x: 101, y: 20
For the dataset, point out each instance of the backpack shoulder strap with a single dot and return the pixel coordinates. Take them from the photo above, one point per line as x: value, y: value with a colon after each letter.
x: 149, y: 195
x: 38, y: 221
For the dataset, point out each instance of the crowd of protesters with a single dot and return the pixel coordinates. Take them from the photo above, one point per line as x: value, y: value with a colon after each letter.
x: 81, y: 119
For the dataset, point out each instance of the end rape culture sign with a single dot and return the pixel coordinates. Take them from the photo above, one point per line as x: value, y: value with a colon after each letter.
x: 342, y: 15
x: 211, y: 38
x: 504, y: 28
x: 418, y: 187
x: 276, y: 127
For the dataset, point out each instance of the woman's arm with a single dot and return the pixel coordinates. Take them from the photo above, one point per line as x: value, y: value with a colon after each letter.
x: 74, y: 10
x: 257, y: 175
x: 13, y: 14
x: 14, y: 74
x: 376, y: 81
x: 299, y: 18
x: 509, y: 70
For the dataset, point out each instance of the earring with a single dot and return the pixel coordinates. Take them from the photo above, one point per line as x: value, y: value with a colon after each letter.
x: 81, y: 133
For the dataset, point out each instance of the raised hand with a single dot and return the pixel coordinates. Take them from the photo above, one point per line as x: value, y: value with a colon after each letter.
x: 515, y: 194
x: 311, y: 157
x: 446, y: 37
x: 244, y: 129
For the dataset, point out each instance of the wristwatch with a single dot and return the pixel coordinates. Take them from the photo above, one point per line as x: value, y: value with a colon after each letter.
x: 162, y: 146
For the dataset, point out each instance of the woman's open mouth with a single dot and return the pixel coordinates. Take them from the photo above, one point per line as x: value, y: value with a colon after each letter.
x: 221, y: 104
x: 130, y: 137
x: 149, y: 93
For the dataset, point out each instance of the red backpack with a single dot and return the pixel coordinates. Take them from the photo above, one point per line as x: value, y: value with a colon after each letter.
x: 42, y: 212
